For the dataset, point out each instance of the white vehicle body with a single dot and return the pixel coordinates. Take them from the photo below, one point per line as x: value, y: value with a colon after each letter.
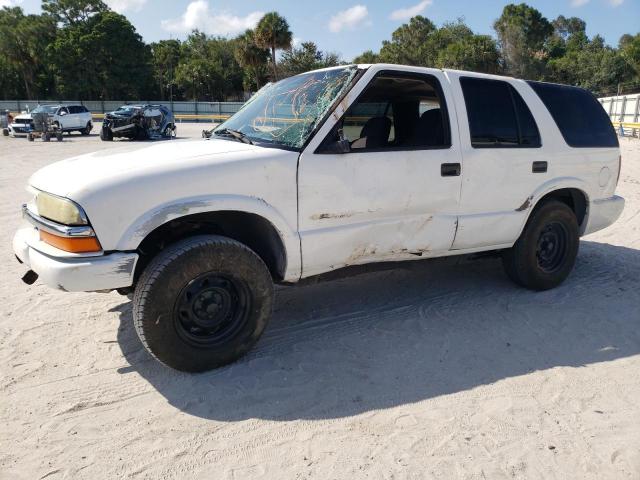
x: 329, y: 210
x: 66, y: 117
x: 20, y: 125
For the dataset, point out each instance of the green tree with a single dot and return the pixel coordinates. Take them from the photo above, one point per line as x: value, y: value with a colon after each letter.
x: 71, y: 12
x: 409, y: 44
x: 273, y: 32
x: 368, y: 56
x: 476, y: 53
x: 305, y: 58
x: 252, y: 58
x: 208, y: 68
x: 590, y: 64
x: 522, y: 33
x: 165, y: 57
x: 23, y: 42
x: 454, y: 45
x: 101, y: 57
x: 630, y: 50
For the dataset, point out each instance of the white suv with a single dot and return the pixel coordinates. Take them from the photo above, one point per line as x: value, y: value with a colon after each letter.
x: 336, y: 167
x: 68, y: 118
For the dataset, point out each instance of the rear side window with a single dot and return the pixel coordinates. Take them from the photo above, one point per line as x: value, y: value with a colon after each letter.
x: 579, y: 116
x: 498, y: 116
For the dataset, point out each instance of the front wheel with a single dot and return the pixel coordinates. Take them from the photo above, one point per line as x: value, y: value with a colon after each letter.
x: 544, y: 255
x: 202, y: 303
x: 106, y: 135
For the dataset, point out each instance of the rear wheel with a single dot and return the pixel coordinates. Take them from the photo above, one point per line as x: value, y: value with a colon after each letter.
x: 202, y: 303
x: 59, y: 136
x: 546, y: 251
x: 87, y: 129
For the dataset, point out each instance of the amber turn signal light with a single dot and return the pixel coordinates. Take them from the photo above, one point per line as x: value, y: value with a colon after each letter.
x: 71, y: 244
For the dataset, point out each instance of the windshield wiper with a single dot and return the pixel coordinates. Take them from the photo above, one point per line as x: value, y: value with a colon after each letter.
x: 235, y: 134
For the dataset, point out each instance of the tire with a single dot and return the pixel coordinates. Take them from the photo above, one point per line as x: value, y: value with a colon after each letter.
x: 87, y: 129
x: 202, y: 303
x: 59, y: 136
x: 106, y: 135
x: 544, y: 255
x: 30, y: 137
x: 5, y: 132
x: 46, y: 137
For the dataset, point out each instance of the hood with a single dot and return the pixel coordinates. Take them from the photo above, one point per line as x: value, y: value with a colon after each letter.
x: 75, y: 177
x: 23, y: 116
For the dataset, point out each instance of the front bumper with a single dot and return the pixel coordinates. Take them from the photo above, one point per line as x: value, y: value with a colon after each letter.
x: 603, y: 213
x: 73, y: 273
x: 19, y: 129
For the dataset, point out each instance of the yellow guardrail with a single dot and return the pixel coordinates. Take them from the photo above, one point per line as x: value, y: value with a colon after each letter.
x: 627, y: 124
x: 181, y: 116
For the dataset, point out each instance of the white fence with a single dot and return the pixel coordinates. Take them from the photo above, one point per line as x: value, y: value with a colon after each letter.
x: 624, y: 112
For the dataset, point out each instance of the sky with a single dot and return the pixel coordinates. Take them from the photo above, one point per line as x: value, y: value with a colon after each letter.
x: 350, y: 27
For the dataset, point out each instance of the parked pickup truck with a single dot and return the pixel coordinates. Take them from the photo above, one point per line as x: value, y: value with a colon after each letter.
x: 335, y: 167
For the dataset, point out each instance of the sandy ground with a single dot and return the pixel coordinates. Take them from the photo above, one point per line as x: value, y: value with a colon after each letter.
x: 437, y: 369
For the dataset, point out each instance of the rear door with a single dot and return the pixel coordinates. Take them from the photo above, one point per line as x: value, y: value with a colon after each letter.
x: 75, y: 112
x: 394, y: 194
x: 501, y: 145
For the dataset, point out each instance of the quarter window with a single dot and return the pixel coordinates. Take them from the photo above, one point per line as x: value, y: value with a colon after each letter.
x: 579, y: 116
x: 498, y: 116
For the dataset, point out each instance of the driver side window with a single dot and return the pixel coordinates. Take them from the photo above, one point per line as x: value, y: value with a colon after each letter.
x: 396, y: 111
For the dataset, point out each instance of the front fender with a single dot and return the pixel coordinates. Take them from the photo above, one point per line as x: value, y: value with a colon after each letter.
x: 149, y: 221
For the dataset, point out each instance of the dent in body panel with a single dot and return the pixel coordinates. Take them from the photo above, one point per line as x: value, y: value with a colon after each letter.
x: 525, y: 205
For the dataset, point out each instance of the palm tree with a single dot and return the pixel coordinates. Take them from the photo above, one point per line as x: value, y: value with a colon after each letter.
x: 273, y: 33
x: 251, y: 57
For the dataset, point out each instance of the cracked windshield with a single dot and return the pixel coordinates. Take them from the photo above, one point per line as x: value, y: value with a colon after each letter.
x: 285, y: 113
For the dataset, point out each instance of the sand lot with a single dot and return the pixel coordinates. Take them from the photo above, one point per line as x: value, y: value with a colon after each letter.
x: 436, y: 369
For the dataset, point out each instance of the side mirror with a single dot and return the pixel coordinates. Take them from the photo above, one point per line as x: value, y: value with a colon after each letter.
x: 341, y: 145
x: 63, y: 113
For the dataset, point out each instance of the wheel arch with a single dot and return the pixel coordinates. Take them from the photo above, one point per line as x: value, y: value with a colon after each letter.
x: 253, y: 224
x: 571, y: 192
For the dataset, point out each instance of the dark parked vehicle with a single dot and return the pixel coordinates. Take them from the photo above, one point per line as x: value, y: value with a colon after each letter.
x: 139, y: 122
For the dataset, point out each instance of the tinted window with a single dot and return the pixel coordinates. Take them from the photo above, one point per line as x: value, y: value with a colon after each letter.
x: 498, y: 117
x: 397, y: 111
x: 579, y: 116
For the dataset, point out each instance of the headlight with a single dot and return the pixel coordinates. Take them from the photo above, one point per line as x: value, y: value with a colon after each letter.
x: 60, y: 210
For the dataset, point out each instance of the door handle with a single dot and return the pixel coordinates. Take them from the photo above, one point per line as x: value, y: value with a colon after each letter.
x: 539, y: 167
x: 450, y: 169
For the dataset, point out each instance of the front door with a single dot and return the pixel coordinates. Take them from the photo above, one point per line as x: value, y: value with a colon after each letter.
x: 394, y: 194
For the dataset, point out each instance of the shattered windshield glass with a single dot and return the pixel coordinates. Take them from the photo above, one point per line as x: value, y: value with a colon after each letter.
x: 285, y: 113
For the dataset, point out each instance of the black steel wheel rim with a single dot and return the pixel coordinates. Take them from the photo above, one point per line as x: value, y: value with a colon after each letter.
x: 552, y: 247
x: 211, y: 309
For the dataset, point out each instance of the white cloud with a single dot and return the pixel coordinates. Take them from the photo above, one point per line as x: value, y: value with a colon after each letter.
x: 616, y: 3
x: 407, y: 13
x: 10, y: 3
x: 198, y: 16
x: 350, y: 18
x: 578, y: 3
x: 126, y: 5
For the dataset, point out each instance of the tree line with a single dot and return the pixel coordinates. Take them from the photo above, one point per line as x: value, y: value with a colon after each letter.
x: 81, y: 49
